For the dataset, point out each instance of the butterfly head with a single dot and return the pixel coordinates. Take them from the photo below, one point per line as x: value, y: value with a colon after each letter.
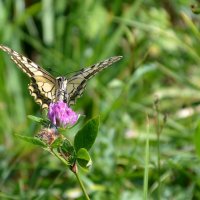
x: 61, y: 80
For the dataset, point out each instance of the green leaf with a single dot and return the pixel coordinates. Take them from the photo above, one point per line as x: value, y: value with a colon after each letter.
x: 32, y: 140
x: 86, y: 136
x: 34, y: 118
x: 40, y: 120
x: 197, y: 139
x: 57, y: 142
x: 83, y: 158
x: 67, y: 151
x: 67, y: 146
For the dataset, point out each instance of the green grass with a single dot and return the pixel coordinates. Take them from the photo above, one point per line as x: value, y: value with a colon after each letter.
x: 160, y: 49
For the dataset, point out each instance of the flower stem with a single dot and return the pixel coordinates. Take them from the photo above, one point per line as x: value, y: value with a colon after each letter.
x: 59, y: 157
x: 75, y: 171
x: 82, y: 186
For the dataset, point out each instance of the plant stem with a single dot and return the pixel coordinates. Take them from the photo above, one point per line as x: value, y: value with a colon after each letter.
x: 82, y: 186
x: 158, y: 132
x: 146, y: 170
x: 75, y: 171
x: 59, y: 157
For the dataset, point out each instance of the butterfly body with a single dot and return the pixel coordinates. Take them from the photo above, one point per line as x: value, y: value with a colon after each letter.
x: 45, y: 88
x: 61, y: 90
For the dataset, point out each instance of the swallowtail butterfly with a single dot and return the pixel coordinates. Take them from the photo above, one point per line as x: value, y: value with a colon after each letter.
x: 46, y: 89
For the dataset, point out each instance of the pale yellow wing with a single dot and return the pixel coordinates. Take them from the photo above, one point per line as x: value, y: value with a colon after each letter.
x: 42, y: 86
x: 76, y: 84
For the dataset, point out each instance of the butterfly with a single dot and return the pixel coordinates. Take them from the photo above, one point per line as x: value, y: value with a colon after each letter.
x: 46, y: 88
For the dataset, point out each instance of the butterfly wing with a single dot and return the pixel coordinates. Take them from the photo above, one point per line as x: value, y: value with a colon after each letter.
x: 42, y: 86
x: 76, y: 84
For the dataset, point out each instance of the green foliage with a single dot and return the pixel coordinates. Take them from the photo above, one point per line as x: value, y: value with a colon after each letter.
x: 85, y: 137
x: 67, y: 150
x: 57, y: 143
x: 44, y: 122
x: 83, y: 158
x: 32, y: 140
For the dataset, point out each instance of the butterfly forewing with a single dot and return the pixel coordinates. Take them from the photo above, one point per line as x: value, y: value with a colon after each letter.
x: 42, y: 86
x: 76, y: 84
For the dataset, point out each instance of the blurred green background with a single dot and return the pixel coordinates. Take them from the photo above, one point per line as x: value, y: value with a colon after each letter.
x: 159, y: 42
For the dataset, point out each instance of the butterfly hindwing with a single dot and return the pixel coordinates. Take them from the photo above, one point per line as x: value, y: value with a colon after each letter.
x: 40, y: 99
x: 76, y: 84
x: 42, y: 86
x: 42, y: 90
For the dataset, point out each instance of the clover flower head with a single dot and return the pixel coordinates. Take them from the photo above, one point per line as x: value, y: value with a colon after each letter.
x: 48, y: 135
x: 61, y: 115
